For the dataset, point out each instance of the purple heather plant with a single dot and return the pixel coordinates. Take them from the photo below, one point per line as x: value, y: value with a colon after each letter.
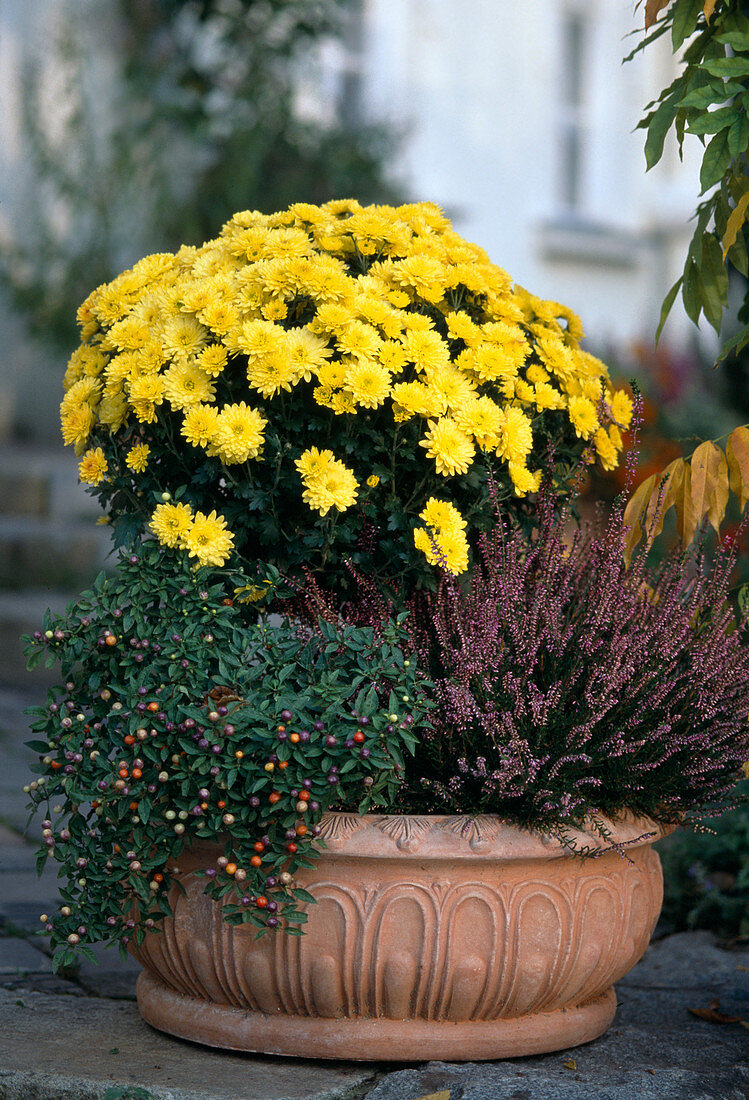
x: 570, y: 687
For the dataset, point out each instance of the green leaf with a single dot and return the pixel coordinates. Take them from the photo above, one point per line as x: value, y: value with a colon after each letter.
x: 730, y: 67
x: 711, y: 122
x: 658, y: 125
x: 715, y: 161
x: 714, y: 283
x: 715, y: 92
x: 684, y: 16
x: 304, y: 895
x: 736, y: 343
x: 738, y: 136
x: 668, y: 302
x: 690, y: 294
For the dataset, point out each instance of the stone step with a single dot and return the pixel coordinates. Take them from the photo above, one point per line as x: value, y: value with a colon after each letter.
x: 39, y: 551
x: 22, y: 613
x: 43, y: 482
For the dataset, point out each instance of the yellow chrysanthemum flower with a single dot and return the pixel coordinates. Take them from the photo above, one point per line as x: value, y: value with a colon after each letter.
x: 516, y: 437
x: 583, y: 416
x: 186, y: 384
x: 271, y: 374
x: 313, y: 463
x: 450, y: 447
x: 441, y: 515
x: 137, y: 457
x: 416, y: 399
x: 523, y: 480
x: 448, y: 548
x: 359, y: 340
x: 239, y: 434
x: 170, y: 523
x: 93, y: 467
x: 76, y: 423
x: 208, y: 539
x: 620, y: 404
x: 200, y: 425
x: 546, y: 397
x: 212, y: 359
x: 145, y: 394
x: 481, y: 418
x: 605, y: 450
x: 183, y: 336
x: 336, y: 487
x: 368, y: 383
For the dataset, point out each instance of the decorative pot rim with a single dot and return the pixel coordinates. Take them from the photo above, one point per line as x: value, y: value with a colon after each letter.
x: 466, y: 836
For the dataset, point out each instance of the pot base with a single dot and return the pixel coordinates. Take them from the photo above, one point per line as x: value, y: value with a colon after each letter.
x: 370, y: 1040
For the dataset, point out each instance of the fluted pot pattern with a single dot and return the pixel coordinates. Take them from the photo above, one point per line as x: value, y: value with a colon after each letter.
x: 426, y: 926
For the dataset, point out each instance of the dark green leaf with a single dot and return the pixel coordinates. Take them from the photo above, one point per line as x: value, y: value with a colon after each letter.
x: 658, y: 125
x: 711, y: 122
x: 715, y: 161
x: 668, y: 302
x: 684, y: 15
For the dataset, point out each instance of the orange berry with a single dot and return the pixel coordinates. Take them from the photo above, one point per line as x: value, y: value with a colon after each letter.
x: 283, y: 764
x: 221, y: 803
x: 129, y: 739
x: 116, y: 849
x: 158, y: 877
x: 259, y: 846
x: 204, y: 805
x: 274, y: 797
x: 281, y: 729
x: 303, y: 796
x: 239, y: 754
x: 110, y: 639
x: 123, y: 773
x: 230, y: 868
x: 255, y: 861
x: 301, y: 830
x: 137, y: 773
x: 294, y: 738
x: 133, y: 806
x: 55, y: 764
x: 153, y: 706
x: 261, y: 902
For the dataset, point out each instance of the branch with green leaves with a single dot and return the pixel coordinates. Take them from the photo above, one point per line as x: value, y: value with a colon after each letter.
x: 710, y: 99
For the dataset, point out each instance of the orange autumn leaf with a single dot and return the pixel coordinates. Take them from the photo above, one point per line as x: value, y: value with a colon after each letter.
x: 652, y: 10
x: 709, y: 485
x: 737, y: 453
x: 633, y: 515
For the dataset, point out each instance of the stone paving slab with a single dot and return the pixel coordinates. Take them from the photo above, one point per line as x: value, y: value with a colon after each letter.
x: 19, y: 956
x: 66, y: 1048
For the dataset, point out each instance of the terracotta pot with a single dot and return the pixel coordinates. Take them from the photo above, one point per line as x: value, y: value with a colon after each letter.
x: 447, y: 938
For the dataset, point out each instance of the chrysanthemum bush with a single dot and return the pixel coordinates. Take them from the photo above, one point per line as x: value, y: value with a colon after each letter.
x: 326, y: 384
x: 178, y: 720
x: 569, y: 687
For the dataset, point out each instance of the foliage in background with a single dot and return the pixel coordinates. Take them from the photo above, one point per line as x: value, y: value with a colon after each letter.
x: 160, y: 118
x: 341, y: 383
x: 706, y: 875
x: 180, y: 719
x: 709, y: 99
